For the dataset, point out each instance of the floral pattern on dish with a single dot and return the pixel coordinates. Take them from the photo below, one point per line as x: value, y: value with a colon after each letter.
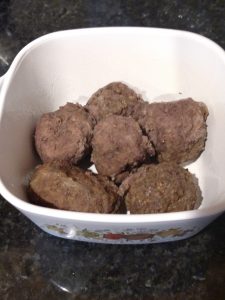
x: 128, y: 234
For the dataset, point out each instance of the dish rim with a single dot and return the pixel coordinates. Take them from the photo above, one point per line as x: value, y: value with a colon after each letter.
x: 21, y: 204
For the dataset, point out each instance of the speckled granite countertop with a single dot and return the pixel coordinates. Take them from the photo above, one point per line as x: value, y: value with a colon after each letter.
x: 34, y: 265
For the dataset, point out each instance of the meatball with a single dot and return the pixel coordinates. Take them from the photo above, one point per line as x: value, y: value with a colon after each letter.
x: 160, y: 188
x: 70, y: 188
x: 118, y: 144
x: 114, y: 98
x: 177, y: 129
x: 64, y: 135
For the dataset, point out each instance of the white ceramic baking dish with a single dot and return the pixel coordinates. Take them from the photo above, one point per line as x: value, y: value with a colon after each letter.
x: 70, y: 66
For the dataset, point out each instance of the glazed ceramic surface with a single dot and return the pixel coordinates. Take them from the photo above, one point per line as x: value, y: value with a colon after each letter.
x: 69, y: 66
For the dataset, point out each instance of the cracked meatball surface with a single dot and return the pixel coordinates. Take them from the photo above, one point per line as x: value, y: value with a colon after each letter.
x: 70, y: 188
x: 177, y: 129
x: 160, y: 188
x: 112, y: 99
x: 64, y: 135
x: 118, y: 144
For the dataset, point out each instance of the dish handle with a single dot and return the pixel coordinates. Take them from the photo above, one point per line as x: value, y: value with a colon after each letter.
x: 1, y: 80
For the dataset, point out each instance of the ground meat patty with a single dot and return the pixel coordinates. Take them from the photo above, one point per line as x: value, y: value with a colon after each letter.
x: 73, y: 189
x: 114, y: 98
x: 118, y: 144
x: 64, y: 135
x: 177, y: 129
x: 160, y: 188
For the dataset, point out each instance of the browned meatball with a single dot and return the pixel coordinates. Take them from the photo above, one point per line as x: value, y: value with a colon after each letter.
x: 160, y: 188
x: 177, y: 129
x: 118, y: 144
x: 73, y: 189
x: 64, y: 135
x: 113, y: 98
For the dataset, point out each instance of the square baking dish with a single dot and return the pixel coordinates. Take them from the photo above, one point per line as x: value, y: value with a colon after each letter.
x: 70, y: 66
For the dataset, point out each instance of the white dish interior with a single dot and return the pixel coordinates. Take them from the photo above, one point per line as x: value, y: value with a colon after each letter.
x: 71, y: 65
